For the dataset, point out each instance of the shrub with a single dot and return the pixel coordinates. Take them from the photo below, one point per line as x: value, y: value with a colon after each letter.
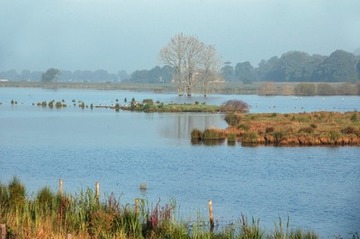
x: 196, y: 134
x: 117, y: 107
x: 232, y: 119
x: 235, y: 106
x: 148, y: 101
x: 351, y: 130
x: 146, y: 107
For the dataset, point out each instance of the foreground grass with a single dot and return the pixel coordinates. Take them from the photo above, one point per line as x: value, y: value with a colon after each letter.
x: 316, y: 128
x: 51, y: 215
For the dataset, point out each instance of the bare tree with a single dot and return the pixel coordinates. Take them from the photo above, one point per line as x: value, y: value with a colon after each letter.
x: 209, y: 68
x: 191, y: 60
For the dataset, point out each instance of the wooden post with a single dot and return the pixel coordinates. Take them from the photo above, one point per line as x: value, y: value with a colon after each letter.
x: 60, y: 187
x: 211, y: 217
x: 2, y: 231
x: 68, y: 236
x: 137, y: 206
x: 97, y: 190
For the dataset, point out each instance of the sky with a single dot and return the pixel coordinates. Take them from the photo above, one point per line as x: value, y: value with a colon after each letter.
x: 128, y: 34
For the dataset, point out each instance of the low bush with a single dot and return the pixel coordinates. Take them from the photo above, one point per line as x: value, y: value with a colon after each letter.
x: 232, y: 119
x: 213, y: 134
x: 235, y: 106
x: 196, y: 134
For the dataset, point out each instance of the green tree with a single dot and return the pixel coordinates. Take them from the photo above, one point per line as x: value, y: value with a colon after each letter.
x: 270, y: 70
x: 245, y: 72
x: 340, y: 66
x: 228, y: 72
x: 50, y: 75
x: 296, y: 66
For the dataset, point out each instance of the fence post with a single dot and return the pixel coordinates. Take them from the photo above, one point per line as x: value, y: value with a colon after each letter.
x: 2, y: 231
x: 211, y: 217
x: 97, y: 190
x: 60, y: 187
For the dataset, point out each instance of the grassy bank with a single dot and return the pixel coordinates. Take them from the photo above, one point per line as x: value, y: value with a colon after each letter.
x: 149, y: 106
x: 259, y: 88
x: 316, y: 128
x: 84, y: 215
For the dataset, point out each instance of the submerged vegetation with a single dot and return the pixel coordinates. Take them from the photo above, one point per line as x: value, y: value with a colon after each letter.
x: 56, y: 215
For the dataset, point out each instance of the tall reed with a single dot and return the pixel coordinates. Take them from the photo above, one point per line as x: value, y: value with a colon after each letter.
x: 83, y: 215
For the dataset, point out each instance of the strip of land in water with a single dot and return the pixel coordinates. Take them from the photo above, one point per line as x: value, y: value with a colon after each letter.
x: 259, y: 88
x: 291, y: 129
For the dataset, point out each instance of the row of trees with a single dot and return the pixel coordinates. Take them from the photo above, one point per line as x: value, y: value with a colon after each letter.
x: 53, y: 74
x: 192, y: 65
x: 296, y: 66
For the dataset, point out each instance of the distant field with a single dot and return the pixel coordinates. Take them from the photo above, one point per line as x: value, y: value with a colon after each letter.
x: 259, y: 88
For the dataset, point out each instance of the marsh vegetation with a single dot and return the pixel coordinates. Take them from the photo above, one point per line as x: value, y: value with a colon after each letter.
x: 85, y: 215
x: 317, y: 128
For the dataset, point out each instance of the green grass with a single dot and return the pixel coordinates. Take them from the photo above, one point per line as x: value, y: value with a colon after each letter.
x: 83, y: 215
x: 161, y: 107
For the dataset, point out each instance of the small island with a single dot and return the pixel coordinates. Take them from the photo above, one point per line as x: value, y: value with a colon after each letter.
x: 288, y: 129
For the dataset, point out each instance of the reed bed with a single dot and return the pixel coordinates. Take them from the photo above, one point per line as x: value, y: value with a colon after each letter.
x: 84, y: 215
x: 315, y: 128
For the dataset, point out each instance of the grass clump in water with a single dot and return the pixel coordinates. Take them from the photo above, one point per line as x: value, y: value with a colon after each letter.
x: 213, y: 134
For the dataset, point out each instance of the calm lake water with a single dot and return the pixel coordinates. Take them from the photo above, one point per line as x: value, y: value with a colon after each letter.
x: 317, y: 187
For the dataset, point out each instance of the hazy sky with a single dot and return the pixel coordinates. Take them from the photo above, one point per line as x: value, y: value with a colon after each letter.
x: 128, y: 34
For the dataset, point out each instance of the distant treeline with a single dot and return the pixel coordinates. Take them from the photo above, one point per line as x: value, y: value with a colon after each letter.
x: 66, y: 76
x: 294, y: 66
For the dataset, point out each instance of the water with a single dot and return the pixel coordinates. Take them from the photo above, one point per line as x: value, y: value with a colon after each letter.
x: 317, y: 187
